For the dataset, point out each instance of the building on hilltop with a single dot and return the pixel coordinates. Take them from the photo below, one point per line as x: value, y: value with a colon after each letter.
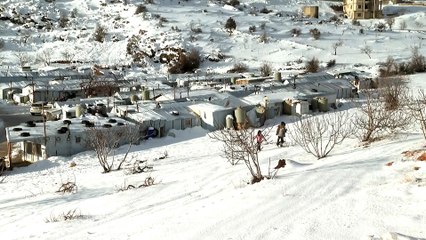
x: 362, y: 9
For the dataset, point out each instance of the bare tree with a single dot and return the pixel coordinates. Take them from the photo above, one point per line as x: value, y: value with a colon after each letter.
x: 104, y: 140
x: 24, y: 58
x: 384, y: 110
x: 403, y: 25
x: 337, y: 44
x: 68, y: 55
x: 390, y: 21
x: 367, y: 50
x: 418, y: 108
x: 265, y: 69
x: 45, y: 56
x: 240, y: 145
x: 319, y: 135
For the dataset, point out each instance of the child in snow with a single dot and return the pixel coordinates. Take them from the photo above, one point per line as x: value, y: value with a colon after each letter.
x: 281, y: 130
x: 259, y: 140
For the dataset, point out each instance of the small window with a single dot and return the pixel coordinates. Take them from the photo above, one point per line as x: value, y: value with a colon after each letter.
x: 359, y: 14
x: 205, y: 115
x: 359, y: 6
x: 188, y: 122
x: 77, y: 139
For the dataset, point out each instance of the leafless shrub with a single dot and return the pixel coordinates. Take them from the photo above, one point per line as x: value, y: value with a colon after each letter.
x: 63, y: 20
x: 2, y: 43
x: 356, y: 22
x: 319, y: 135
x: 315, y: 33
x: 230, y: 25
x: 381, y: 26
x: 234, y: 3
x: 240, y: 145
x: 149, y: 181
x: 100, y: 33
x: 68, y: 55
x: 331, y: 63
x: 195, y: 28
x: 238, y: 68
x: 337, y: 7
x: 45, y: 56
x: 263, y: 38
x: 390, y: 21
x: 187, y: 62
x: 24, y: 58
x: 139, y: 166
x: 265, y: 69
x: 403, y: 25
x: 295, y: 32
x: 68, y: 187
x: 367, y: 50
x: 65, y: 216
x: 388, y: 68
x: 378, y: 117
x: 264, y: 10
x: 417, y: 60
x: 74, y: 12
x: 417, y: 107
x: 312, y: 65
x: 337, y: 44
x: 252, y: 29
x: 104, y: 141
x: 140, y: 9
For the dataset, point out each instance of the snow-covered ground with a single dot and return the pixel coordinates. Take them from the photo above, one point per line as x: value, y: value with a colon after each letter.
x: 352, y: 194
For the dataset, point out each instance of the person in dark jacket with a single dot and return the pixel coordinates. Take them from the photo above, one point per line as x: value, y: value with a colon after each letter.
x: 281, y: 130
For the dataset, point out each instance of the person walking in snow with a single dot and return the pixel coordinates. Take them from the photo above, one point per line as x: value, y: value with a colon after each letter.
x: 281, y: 130
x: 259, y: 139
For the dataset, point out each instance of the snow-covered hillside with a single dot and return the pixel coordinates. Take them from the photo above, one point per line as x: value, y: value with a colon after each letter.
x: 63, y: 31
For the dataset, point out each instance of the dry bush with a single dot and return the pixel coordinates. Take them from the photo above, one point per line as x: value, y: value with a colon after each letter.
x: 403, y: 25
x: 390, y: 21
x: 337, y: 7
x: 319, y: 135
x: 337, y: 44
x: 68, y: 187
x: 295, y: 32
x: 240, y: 145
x: 263, y: 38
x: 331, y: 63
x: 238, y: 68
x: 265, y: 69
x: 417, y: 61
x: 149, y: 181
x: 230, y: 25
x: 100, y: 33
x: 140, y: 9
x: 377, y: 117
x: 233, y: 3
x: 381, y: 26
x: 195, y: 28
x: 104, y: 141
x: 417, y: 107
x: 45, y: 56
x: 65, y: 216
x: 367, y: 50
x: 389, y: 68
x: 356, y: 22
x: 63, y: 20
x: 187, y: 62
x: 264, y: 10
x: 252, y: 29
x: 315, y: 33
x: 312, y: 65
